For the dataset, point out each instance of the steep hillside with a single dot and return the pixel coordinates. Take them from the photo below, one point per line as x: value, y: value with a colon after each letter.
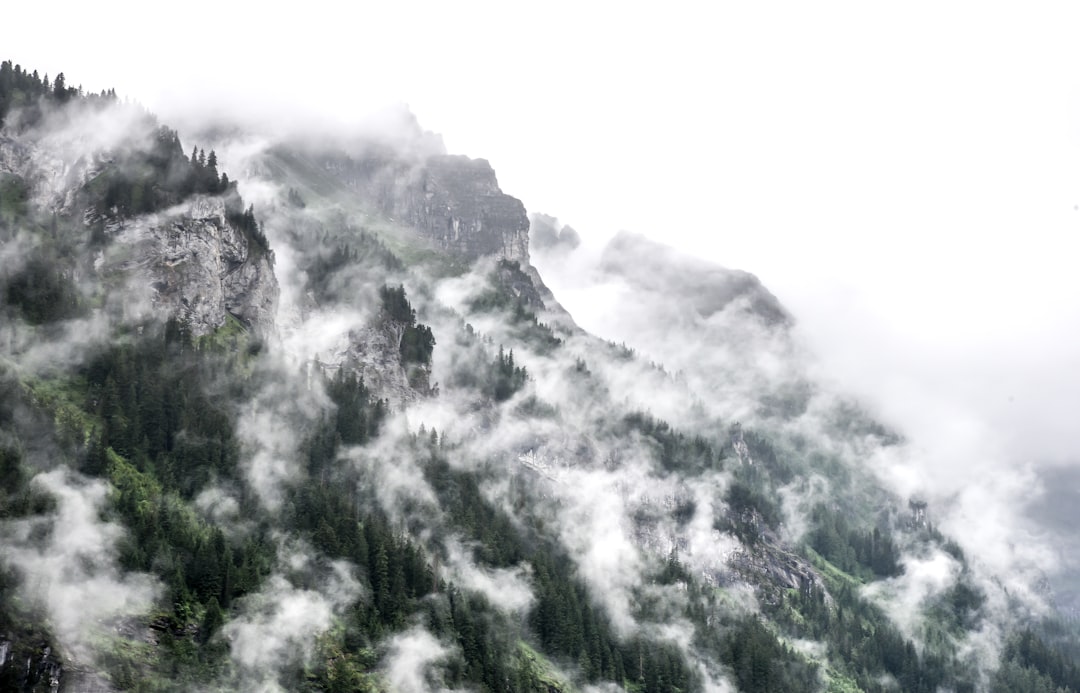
x: 320, y: 426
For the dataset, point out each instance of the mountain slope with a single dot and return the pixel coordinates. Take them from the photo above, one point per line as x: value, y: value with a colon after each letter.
x: 344, y: 438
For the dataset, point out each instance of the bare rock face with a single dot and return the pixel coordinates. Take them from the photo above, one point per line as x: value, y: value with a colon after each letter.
x: 453, y: 200
x: 194, y: 265
x: 456, y: 201
x: 53, y: 178
x: 373, y: 353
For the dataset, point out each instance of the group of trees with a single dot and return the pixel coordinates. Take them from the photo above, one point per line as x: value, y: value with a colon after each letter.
x: 20, y: 89
x: 508, y: 292
x: 565, y: 621
x: 330, y: 268
x: 142, y: 180
x: 417, y: 341
x: 1032, y: 665
x: 41, y: 291
x: 503, y: 377
x: 865, y: 554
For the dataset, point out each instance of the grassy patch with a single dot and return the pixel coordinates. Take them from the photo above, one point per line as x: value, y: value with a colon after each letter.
x: 841, y: 683
x: 835, y: 577
x: 540, y: 669
x: 65, y: 398
x: 231, y: 336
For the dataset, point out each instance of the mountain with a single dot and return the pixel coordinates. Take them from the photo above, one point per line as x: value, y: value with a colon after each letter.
x: 301, y: 414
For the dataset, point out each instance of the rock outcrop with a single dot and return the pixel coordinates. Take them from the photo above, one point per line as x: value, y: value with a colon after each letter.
x: 191, y: 263
x: 454, y: 201
x: 188, y: 262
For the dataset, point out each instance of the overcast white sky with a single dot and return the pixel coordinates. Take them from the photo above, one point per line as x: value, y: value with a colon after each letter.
x: 906, y: 178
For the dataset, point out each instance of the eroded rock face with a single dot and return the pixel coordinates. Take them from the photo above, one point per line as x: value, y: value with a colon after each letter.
x: 52, y: 177
x: 186, y: 262
x: 456, y: 201
x: 191, y: 263
x: 453, y: 200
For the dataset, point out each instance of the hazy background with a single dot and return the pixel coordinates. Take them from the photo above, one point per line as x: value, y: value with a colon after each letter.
x: 906, y: 180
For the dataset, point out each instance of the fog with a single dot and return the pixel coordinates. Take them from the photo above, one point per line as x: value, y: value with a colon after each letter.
x: 906, y: 184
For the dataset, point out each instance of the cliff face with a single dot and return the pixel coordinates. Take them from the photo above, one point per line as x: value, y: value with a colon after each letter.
x: 190, y: 262
x: 187, y: 262
x: 454, y: 201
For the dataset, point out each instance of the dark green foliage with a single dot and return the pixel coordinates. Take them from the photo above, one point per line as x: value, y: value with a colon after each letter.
x: 145, y: 180
x: 864, y: 554
x: 152, y: 399
x: 763, y: 454
x: 504, y: 378
x: 417, y: 344
x: 760, y: 663
x: 40, y: 292
x: 497, y: 540
x: 244, y: 220
x: 17, y: 497
x: 396, y: 306
x: 330, y: 270
x: 358, y: 417
x: 417, y: 341
x: 959, y: 607
x: 564, y: 619
x: 510, y: 293
x: 677, y: 451
x: 863, y: 643
x: 294, y: 199
x: 32, y: 94
x: 749, y: 512
x: 13, y: 194
x: 1030, y: 665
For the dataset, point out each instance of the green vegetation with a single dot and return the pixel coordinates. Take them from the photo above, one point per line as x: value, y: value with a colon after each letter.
x: 507, y: 294
x: 32, y: 94
x: 866, y: 554
x: 160, y: 419
x: 417, y: 341
x: 40, y: 292
x: 1031, y: 665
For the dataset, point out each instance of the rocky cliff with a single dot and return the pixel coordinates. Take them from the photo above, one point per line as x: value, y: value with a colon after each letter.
x: 188, y: 261
x: 452, y: 200
x: 192, y: 263
x: 456, y: 201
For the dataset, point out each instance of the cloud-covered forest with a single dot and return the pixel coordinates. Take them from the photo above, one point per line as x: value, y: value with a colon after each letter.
x: 300, y: 413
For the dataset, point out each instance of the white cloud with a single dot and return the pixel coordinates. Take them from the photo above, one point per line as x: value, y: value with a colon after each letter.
x: 72, y: 573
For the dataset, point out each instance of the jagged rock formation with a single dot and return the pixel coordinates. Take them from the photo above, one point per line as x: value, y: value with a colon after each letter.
x: 189, y: 262
x: 372, y: 352
x: 454, y: 201
x: 193, y: 264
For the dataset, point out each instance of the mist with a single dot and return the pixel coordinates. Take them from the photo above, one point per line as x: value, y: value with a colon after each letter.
x: 908, y: 218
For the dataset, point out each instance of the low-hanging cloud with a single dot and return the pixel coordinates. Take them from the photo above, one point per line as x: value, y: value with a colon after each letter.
x: 276, y: 628
x: 68, y: 564
x: 412, y: 659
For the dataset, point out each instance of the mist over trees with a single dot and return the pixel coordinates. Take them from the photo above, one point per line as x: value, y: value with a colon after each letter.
x: 305, y: 508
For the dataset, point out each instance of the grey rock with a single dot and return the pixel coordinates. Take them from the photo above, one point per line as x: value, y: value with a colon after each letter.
x: 191, y: 263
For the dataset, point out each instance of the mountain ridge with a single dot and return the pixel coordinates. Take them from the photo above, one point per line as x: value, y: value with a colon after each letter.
x: 272, y: 497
